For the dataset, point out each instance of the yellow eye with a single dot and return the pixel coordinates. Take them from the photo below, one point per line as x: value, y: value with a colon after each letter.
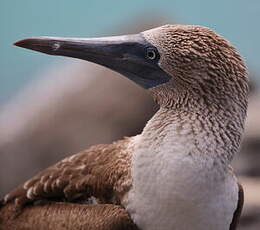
x: 151, y: 53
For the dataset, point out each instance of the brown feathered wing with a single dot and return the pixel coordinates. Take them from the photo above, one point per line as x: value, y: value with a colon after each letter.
x: 100, y: 174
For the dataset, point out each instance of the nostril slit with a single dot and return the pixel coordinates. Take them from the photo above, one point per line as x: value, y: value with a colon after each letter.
x: 55, y: 46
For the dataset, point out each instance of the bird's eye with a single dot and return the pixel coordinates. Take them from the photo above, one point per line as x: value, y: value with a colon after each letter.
x: 151, y: 53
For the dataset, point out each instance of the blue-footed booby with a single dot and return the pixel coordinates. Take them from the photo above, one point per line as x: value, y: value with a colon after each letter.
x: 176, y: 174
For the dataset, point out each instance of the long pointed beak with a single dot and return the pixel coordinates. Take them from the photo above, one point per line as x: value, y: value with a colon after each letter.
x: 124, y: 54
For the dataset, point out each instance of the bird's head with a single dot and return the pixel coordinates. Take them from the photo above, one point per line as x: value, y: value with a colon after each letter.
x: 181, y: 65
x: 205, y: 69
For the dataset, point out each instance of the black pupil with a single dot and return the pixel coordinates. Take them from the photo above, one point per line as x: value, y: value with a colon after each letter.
x: 151, y: 54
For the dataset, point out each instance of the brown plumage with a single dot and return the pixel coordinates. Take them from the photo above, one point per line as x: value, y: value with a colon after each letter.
x: 200, y: 82
x: 66, y: 216
x: 100, y: 173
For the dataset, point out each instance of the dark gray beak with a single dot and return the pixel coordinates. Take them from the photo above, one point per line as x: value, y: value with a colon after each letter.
x: 130, y: 55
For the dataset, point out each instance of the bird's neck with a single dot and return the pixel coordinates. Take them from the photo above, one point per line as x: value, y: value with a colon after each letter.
x: 180, y: 170
x: 214, y: 135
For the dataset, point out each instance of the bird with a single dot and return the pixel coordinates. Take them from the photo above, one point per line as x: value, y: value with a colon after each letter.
x: 176, y: 173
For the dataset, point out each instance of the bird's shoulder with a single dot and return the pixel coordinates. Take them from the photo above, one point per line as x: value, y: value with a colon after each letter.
x: 102, y: 171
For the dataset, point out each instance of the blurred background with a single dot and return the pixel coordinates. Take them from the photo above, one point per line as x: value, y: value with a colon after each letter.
x: 51, y: 107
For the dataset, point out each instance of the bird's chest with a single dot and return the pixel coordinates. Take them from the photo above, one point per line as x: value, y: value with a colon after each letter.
x: 171, y: 191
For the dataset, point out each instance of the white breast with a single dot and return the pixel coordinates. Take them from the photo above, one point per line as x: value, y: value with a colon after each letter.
x: 176, y: 189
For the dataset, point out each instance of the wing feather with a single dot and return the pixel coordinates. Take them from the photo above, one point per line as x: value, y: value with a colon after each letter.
x: 66, y: 216
x: 238, y: 211
x: 102, y: 171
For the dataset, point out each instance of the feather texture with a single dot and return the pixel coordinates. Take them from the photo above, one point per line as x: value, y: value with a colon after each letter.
x: 102, y: 171
x: 66, y: 216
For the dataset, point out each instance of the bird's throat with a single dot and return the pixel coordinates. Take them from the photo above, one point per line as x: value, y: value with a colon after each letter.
x: 177, y: 156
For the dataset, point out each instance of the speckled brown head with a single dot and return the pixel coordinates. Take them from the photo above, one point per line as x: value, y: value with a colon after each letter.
x: 205, y: 68
x: 182, y: 66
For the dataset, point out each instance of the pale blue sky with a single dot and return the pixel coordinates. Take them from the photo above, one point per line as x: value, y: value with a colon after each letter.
x: 237, y: 20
